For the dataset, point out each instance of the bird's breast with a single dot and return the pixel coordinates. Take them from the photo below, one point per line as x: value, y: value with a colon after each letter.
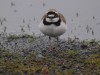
x: 53, y: 30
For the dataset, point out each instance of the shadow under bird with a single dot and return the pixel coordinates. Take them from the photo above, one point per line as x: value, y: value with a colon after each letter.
x: 53, y: 24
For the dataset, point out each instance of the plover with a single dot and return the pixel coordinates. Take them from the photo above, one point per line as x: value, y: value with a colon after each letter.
x: 53, y: 24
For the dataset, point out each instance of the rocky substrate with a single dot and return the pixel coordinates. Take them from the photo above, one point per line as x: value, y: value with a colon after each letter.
x: 29, y: 55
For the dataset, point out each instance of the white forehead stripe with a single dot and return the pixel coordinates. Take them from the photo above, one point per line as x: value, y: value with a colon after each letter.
x: 51, y: 15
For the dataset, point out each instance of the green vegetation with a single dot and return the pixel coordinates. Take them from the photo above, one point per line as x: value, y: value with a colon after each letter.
x: 83, y: 61
x: 62, y: 63
x: 94, y: 59
x: 14, y: 37
x: 72, y: 52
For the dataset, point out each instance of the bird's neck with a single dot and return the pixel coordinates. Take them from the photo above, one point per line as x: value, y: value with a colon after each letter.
x: 50, y: 23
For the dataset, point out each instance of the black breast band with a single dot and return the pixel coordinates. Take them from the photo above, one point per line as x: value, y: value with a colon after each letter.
x: 49, y: 23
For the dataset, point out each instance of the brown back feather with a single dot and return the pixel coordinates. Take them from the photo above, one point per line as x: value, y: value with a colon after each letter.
x: 43, y: 17
x: 62, y: 18
x: 54, y: 10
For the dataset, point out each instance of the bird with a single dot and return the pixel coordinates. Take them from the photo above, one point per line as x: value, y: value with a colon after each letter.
x: 53, y: 24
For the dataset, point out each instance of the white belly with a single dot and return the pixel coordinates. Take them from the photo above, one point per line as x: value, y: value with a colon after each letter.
x: 52, y: 30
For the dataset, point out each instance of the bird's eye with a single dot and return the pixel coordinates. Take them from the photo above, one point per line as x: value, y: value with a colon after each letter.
x: 55, y: 15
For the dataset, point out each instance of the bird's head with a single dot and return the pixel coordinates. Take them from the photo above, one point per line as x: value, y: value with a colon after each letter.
x: 52, y: 16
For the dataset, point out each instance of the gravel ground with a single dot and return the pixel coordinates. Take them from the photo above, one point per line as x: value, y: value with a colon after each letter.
x: 40, y: 43
x: 72, y: 57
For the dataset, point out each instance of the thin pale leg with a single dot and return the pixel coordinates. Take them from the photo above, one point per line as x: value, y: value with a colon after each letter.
x: 58, y: 41
x: 50, y: 47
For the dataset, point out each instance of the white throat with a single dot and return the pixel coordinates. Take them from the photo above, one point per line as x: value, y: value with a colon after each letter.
x: 52, y: 20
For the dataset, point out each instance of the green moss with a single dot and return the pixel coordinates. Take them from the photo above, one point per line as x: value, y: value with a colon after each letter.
x: 72, y: 52
x: 68, y: 72
x: 67, y: 62
x: 94, y: 59
x: 12, y: 37
x: 19, y: 65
